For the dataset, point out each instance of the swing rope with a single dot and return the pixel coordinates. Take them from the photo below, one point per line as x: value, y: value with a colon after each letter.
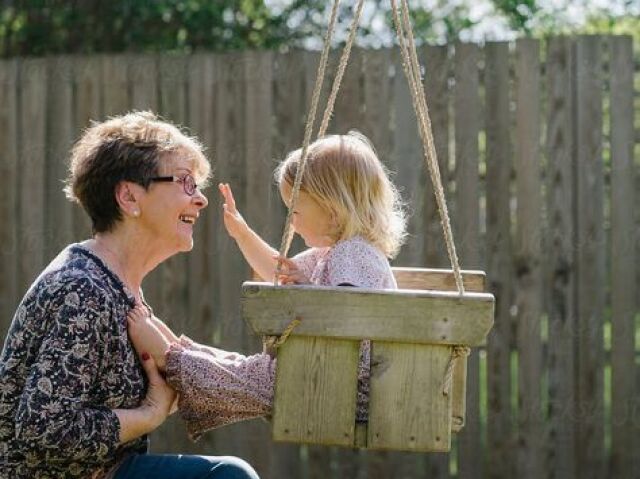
x: 412, y: 72
x: 411, y: 69
x: 287, y: 235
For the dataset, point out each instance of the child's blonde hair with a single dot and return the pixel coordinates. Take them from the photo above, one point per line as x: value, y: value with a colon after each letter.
x: 344, y: 175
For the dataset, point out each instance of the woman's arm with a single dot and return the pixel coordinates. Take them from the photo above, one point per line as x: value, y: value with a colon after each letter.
x: 258, y: 253
x: 57, y: 419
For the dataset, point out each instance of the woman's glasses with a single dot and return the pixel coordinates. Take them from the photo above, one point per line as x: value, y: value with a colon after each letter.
x: 188, y: 182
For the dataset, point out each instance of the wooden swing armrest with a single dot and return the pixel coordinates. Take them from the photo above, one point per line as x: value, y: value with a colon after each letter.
x: 412, y: 316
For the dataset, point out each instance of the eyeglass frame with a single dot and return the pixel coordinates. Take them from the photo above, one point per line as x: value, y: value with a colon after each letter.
x: 184, y: 179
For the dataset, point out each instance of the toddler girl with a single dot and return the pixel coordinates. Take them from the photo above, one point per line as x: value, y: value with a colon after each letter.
x: 350, y: 216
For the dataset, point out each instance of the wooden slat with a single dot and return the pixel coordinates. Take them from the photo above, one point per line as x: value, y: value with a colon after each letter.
x: 60, y: 137
x: 376, y: 88
x: 88, y: 101
x: 258, y: 91
x: 229, y: 138
x: 438, y: 279
x: 312, y: 402
x: 589, y: 256
x: 624, y: 435
x: 436, y: 61
x: 173, y: 72
x: 202, y: 277
x: 407, y: 407
x: 498, y: 158
x: 559, y: 261
x: 143, y: 82
x: 528, y: 257
x: 144, y: 85
x: 31, y: 168
x: 115, y: 87
x: 433, y: 317
x: 466, y: 227
x: 288, y: 111
x: 169, y: 299
x: 407, y: 163
x: 9, y: 292
x: 349, y: 108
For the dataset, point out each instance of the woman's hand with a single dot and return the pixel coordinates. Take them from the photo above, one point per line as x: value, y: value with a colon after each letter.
x: 289, y: 272
x: 155, y: 407
x: 160, y: 397
x: 233, y: 221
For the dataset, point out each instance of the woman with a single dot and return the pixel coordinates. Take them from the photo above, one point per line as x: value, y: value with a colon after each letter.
x: 74, y: 399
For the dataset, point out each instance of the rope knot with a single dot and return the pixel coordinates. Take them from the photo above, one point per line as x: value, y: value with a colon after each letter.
x: 457, y: 352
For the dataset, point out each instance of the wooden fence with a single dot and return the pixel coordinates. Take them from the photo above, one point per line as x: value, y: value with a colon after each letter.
x: 541, y: 161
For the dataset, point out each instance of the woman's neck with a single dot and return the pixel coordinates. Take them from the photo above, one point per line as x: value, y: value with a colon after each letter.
x: 123, y: 256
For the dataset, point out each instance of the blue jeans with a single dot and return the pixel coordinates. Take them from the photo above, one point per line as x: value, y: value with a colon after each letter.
x: 170, y: 466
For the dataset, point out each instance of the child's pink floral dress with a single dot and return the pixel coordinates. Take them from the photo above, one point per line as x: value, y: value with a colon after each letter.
x: 218, y: 388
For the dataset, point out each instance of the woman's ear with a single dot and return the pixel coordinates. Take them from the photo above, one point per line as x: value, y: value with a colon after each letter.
x: 128, y: 198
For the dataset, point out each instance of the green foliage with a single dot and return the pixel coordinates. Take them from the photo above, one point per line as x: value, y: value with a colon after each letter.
x: 520, y: 13
x: 38, y: 27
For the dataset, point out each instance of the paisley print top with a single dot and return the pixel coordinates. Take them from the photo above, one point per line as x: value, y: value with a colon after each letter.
x: 66, y: 364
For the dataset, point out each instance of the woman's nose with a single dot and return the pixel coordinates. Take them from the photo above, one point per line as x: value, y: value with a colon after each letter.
x: 199, y: 199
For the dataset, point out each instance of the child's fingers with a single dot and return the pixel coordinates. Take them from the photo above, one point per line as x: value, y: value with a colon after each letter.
x: 228, y: 196
x: 287, y: 263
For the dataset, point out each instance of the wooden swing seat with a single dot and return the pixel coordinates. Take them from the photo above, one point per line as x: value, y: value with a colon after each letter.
x: 412, y: 331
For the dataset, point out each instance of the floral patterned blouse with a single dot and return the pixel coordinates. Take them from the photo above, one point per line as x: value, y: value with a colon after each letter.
x: 66, y: 363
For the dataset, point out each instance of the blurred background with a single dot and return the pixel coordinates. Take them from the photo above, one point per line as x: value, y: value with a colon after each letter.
x: 536, y: 117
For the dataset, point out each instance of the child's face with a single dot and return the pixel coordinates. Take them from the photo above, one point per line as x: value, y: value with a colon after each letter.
x: 310, y: 220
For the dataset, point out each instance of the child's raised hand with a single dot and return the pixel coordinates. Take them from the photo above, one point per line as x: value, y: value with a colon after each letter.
x: 233, y: 220
x: 289, y: 272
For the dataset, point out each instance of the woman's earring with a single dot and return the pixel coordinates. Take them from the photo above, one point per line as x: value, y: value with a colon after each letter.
x: 136, y: 213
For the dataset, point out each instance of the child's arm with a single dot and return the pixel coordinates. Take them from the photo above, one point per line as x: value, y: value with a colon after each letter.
x: 260, y: 256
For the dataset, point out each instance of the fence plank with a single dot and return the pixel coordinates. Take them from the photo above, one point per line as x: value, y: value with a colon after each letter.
x: 204, y: 319
x: 528, y: 250
x: 31, y: 170
x: 9, y: 292
x: 436, y: 86
x: 498, y: 154
x: 143, y: 82
x: 408, y: 163
x: 589, y: 256
x: 376, y: 120
x: 466, y: 222
x: 87, y: 77
x: 348, y: 110
x: 60, y: 137
x: 437, y: 91
x: 258, y: 126
x: 229, y: 136
x: 169, y: 297
x: 560, y: 262
x: 623, y: 259
x: 288, y: 106
x: 115, y: 88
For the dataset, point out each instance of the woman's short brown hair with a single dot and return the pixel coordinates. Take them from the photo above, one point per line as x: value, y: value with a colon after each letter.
x: 124, y: 148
